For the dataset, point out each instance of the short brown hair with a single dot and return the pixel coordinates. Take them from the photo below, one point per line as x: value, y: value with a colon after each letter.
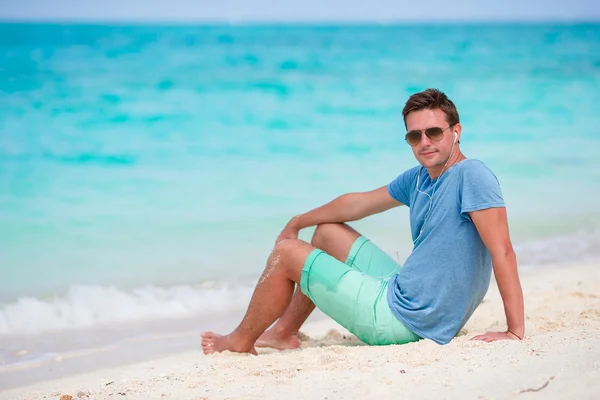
x: 432, y: 99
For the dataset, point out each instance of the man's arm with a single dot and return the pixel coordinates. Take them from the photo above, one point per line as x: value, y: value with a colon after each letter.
x: 492, y: 226
x: 346, y: 208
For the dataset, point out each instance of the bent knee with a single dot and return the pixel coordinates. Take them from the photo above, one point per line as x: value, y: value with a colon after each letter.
x: 288, y: 245
x: 292, y: 253
x: 324, y: 232
x: 329, y: 227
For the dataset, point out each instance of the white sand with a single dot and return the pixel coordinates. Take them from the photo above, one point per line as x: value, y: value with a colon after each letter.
x: 559, y: 359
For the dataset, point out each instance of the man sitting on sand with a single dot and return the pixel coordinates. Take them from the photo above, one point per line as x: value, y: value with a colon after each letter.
x: 459, y: 229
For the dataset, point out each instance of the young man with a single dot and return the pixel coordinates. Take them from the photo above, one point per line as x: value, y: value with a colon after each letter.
x: 459, y: 229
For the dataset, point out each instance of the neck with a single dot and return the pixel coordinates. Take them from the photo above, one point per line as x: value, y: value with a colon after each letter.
x: 436, y: 171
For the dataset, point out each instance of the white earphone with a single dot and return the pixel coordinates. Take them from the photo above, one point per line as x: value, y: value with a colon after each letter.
x: 455, y: 136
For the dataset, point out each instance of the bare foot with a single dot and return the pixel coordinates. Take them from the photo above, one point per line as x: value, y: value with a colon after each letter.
x: 271, y: 339
x: 214, y: 343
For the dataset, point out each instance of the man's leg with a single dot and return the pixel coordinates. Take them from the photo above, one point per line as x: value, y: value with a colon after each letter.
x: 334, y: 239
x: 270, y: 299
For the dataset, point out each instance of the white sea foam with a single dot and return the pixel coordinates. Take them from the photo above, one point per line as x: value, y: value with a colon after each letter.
x: 568, y: 249
x: 90, y: 306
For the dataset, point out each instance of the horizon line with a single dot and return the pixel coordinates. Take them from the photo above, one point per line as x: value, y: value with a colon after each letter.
x: 308, y: 21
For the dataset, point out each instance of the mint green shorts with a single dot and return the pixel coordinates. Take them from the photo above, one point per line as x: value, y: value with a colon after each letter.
x: 354, y: 294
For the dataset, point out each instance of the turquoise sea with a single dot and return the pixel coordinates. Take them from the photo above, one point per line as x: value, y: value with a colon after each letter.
x: 145, y: 171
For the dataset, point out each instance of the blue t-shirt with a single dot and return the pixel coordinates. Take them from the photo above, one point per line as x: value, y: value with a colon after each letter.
x: 448, y: 272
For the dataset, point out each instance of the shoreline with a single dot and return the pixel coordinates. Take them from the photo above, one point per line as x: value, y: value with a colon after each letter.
x: 560, y: 356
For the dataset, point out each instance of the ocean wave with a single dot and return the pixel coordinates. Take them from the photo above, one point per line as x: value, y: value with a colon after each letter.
x: 581, y: 246
x: 86, y: 306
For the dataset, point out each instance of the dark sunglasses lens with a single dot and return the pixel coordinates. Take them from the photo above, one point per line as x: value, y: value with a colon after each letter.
x: 413, y: 137
x: 435, y: 134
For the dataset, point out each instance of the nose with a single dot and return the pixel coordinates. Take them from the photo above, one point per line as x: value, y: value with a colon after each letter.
x: 425, y: 140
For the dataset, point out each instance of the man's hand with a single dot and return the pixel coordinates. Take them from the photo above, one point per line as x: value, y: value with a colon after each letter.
x: 493, y: 336
x: 289, y: 232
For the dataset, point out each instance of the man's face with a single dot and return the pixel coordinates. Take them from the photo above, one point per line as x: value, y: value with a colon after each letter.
x: 429, y: 153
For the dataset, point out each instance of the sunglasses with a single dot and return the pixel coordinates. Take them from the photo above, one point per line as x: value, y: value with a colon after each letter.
x: 435, y: 134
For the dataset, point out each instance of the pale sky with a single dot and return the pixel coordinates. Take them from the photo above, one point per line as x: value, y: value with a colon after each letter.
x: 300, y: 10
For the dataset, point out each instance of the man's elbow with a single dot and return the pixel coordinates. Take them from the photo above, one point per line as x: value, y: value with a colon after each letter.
x: 504, y: 255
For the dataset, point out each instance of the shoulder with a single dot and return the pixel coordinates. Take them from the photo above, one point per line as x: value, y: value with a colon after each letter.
x: 474, y: 168
x: 479, y: 188
x: 402, y: 187
x: 410, y: 174
x: 414, y: 171
x: 473, y: 164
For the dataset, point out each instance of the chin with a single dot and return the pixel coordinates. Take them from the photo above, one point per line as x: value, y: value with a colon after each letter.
x: 430, y: 163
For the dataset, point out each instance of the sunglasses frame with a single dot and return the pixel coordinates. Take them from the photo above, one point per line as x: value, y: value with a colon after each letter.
x: 426, y: 134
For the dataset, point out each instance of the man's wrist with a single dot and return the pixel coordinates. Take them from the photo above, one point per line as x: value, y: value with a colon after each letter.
x: 294, y: 223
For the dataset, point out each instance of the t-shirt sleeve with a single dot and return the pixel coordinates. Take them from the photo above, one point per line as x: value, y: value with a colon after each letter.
x: 402, y: 187
x: 480, y: 188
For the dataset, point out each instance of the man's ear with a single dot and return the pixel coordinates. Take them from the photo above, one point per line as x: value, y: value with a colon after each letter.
x: 457, y: 131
